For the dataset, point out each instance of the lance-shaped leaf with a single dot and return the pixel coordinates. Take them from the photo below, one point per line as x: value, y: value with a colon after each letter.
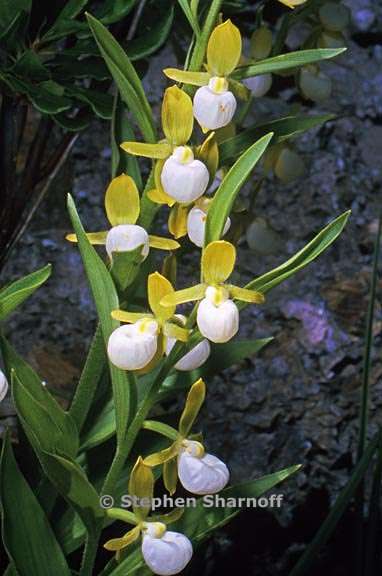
x: 302, y: 258
x: 106, y: 300
x: 13, y: 295
x: 125, y: 77
x: 286, y: 61
x: 28, y: 537
x: 225, y: 196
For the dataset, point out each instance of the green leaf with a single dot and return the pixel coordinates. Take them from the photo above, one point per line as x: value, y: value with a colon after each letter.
x: 9, y: 11
x: 150, y: 42
x: 225, y: 355
x: 125, y: 267
x: 31, y: 67
x: 95, y: 365
x: 282, y: 128
x: 14, y: 294
x: 106, y: 300
x: 121, y: 131
x: 111, y: 11
x: 65, y: 23
x: 102, y: 430
x: 75, y: 123
x: 27, y: 534
x: 285, y: 61
x: 101, y: 104
x: 225, y: 196
x: 193, y: 21
x: 327, y: 528
x: 125, y: 77
x: 302, y: 258
x: 65, y: 68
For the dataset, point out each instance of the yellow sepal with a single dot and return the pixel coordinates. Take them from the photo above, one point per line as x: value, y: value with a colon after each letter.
x: 224, y: 49
x: 292, y: 3
x: 163, y: 243
x: 194, y: 401
x: 187, y: 295
x: 174, y: 331
x: 177, y: 116
x: 177, y: 220
x: 162, y: 456
x: 119, y: 543
x: 159, y: 196
x: 170, y: 476
x: 157, y: 288
x: 208, y: 153
x: 186, y: 77
x: 122, y: 201
x: 93, y: 237
x: 160, y: 151
x: 218, y: 261
x: 175, y: 514
x: 129, y: 317
x: 141, y: 485
x: 246, y: 295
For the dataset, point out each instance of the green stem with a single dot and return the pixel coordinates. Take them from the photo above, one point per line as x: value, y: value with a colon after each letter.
x: 90, y: 552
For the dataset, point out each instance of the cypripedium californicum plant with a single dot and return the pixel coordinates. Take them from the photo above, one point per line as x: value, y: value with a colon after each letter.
x: 217, y: 315
x: 140, y: 344
x: 164, y: 552
x: 199, y: 472
x: 214, y: 103
x: 3, y: 386
x: 122, y: 206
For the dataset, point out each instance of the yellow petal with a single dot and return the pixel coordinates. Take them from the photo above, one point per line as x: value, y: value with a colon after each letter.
x: 158, y: 287
x: 141, y: 485
x: 162, y: 456
x: 170, y: 476
x: 187, y: 295
x: 194, y: 401
x: 160, y: 151
x: 119, y: 543
x: 174, y: 331
x: 163, y: 243
x: 93, y: 237
x: 224, y: 49
x: 129, y: 317
x: 193, y: 78
x: 246, y: 295
x: 218, y: 261
x: 122, y: 201
x: 208, y: 153
x: 177, y: 220
x: 159, y: 196
x: 177, y: 116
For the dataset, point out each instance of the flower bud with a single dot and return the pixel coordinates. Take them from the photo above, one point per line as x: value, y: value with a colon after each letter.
x: 127, y: 237
x: 217, y: 316
x: 289, y: 166
x: 196, y: 226
x: 201, y: 473
x: 334, y: 16
x: 133, y: 346
x: 261, y: 43
x: 259, y: 85
x: 165, y: 552
x: 3, y: 386
x: 214, y: 105
x: 331, y: 40
x: 184, y: 178
x: 314, y: 84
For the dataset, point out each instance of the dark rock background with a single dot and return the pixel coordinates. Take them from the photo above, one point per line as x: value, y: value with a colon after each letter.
x: 298, y: 401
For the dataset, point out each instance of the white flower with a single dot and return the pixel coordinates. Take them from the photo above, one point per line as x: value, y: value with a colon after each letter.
x: 184, y: 178
x: 3, y: 386
x: 201, y: 473
x: 214, y: 105
x: 217, y: 316
x: 196, y: 226
x: 165, y: 552
x: 126, y: 237
x: 259, y: 85
x: 133, y: 346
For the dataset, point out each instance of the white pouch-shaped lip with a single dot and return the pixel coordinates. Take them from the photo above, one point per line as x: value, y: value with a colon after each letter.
x: 196, y: 226
x: 127, y: 237
x: 213, y: 109
x: 130, y: 347
x: 202, y: 475
x: 184, y: 178
x: 167, y: 555
x: 217, y: 322
x: 3, y: 386
x: 194, y: 358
